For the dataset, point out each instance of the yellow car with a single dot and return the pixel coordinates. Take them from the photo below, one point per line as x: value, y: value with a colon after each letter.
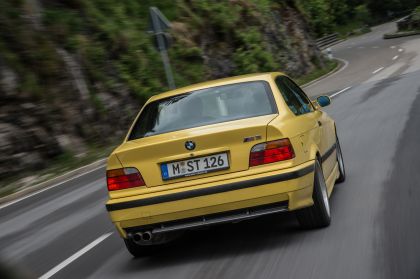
x: 223, y: 151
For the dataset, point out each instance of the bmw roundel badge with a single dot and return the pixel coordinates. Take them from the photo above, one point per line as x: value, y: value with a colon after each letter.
x: 190, y: 145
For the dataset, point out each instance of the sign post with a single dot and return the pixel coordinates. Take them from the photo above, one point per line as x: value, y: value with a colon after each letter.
x: 158, y: 25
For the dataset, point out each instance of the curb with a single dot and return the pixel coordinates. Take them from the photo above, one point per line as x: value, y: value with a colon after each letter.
x: 52, y: 182
x: 341, y: 64
x: 400, y: 34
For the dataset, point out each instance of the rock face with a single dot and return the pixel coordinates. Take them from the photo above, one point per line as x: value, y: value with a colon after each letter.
x: 73, y: 73
x: 250, y: 39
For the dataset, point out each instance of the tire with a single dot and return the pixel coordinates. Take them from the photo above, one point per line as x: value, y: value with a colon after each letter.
x: 318, y: 215
x: 342, y: 177
x: 139, y: 251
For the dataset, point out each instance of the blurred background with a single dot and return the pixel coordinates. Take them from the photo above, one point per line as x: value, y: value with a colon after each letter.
x: 74, y: 73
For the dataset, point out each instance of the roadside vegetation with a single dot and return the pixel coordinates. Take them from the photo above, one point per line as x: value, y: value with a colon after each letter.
x: 57, y: 166
x: 330, y: 66
x: 351, y: 17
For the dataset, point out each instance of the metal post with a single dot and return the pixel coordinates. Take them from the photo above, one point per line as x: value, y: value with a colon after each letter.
x: 329, y: 53
x: 168, y: 70
x: 162, y: 49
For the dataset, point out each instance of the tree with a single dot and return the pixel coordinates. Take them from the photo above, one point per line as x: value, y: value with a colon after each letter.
x: 387, y: 8
x: 318, y: 15
x: 339, y: 9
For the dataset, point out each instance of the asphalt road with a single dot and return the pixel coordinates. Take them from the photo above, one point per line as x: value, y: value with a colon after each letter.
x: 375, y: 232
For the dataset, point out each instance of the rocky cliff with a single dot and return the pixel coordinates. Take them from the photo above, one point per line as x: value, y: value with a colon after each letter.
x: 74, y: 73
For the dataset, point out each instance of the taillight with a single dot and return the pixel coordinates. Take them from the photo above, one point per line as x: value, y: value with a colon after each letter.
x: 270, y: 152
x: 119, y: 179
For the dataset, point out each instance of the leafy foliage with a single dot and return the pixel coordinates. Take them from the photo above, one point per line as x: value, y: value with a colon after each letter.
x: 251, y: 57
x: 416, y: 14
x: 388, y: 8
x: 325, y: 16
x: 318, y: 14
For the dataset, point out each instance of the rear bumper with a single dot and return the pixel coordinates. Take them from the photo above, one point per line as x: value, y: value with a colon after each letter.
x: 292, y: 186
x: 214, y: 219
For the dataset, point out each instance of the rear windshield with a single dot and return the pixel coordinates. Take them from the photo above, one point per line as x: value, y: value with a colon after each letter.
x: 204, y: 107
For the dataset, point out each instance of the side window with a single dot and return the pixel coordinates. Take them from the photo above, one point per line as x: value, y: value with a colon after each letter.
x: 294, y: 97
x: 300, y: 94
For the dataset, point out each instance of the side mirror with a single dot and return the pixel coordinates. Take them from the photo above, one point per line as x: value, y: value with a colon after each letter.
x: 323, y: 101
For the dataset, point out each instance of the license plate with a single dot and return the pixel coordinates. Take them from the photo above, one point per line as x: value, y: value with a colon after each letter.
x: 194, y: 166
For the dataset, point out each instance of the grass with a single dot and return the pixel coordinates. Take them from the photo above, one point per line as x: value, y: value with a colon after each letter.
x: 353, y: 28
x: 330, y: 66
x: 62, y: 164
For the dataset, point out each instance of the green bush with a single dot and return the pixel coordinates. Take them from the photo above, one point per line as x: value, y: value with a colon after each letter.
x: 362, y: 14
x: 318, y: 13
x: 416, y: 14
x: 251, y: 57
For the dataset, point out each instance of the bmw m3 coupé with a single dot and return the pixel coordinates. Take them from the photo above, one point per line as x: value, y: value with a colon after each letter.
x: 223, y: 151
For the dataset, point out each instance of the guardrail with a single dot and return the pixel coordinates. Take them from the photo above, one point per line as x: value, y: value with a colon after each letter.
x: 327, y: 41
x: 403, y: 23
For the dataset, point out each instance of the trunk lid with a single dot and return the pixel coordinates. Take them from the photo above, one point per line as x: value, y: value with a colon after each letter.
x: 148, y: 153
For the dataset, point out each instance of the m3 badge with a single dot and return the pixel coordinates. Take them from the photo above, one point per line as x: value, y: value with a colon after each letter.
x: 253, y: 138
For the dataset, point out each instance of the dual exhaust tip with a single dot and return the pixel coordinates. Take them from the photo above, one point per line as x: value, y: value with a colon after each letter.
x: 141, y: 237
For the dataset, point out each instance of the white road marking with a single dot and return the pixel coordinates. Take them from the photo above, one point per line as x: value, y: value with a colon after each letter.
x: 375, y: 47
x: 339, y: 92
x: 378, y: 70
x: 48, y: 188
x: 361, y: 47
x: 386, y: 72
x: 75, y: 256
x: 392, y: 46
x: 400, y: 50
x: 395, y: 57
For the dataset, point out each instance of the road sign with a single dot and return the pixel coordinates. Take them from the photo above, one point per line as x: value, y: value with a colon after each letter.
x: 158, y: 24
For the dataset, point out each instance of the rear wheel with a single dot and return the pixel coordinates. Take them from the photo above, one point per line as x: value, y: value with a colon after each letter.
x: 140, y: 250
x: 340, y: 162
x: 318, y: 215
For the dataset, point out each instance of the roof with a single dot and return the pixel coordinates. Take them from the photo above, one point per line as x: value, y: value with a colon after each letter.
x: 217, y: 82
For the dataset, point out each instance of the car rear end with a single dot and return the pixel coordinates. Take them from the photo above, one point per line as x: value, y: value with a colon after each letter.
x: 202, y: 156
